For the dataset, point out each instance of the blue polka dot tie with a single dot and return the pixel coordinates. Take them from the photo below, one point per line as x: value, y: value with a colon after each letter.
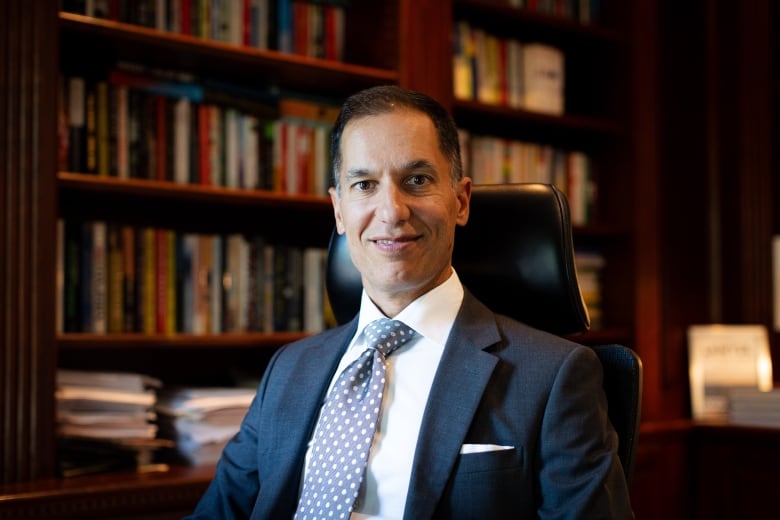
x: 347, y: 425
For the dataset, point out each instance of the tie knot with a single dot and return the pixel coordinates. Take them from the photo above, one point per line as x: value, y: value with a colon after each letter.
x: 386, y: 335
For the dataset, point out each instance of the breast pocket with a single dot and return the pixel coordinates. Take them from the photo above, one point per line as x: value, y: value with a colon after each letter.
x: 475, y: 458
x: 487, y: 484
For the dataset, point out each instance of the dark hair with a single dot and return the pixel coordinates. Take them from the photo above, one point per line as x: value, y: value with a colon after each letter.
x: 383, y: 99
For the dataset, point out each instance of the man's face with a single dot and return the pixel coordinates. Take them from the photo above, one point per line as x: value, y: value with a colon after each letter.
x: 398, y: 206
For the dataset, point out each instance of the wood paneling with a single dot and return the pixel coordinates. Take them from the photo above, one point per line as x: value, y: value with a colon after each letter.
x: 28, y: 125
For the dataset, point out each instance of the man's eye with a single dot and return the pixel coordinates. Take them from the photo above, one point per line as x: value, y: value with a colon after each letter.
x: 362, y: 185
x: 417, y: 180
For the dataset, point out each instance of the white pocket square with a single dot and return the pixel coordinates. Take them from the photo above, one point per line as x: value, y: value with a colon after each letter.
x: 481, y: 448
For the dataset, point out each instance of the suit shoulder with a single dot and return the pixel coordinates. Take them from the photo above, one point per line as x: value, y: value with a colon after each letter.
x: 516, y: 334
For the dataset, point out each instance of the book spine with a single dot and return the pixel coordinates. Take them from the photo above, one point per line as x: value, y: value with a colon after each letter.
x: 72, y: 276
x: 215, y: 284
x: 149, y: 292
x: 207, y: 282
x: 102, y: 138
x: 171, y: 300
x: 314, y: 289
x: 181, y: 141
x: 129, y: 280
x: 99, y: 282
x: 90, y: 114
x: 115, y: 273
x: 76, y: 124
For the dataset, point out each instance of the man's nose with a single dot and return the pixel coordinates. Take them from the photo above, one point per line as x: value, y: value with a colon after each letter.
x: 392, y: 204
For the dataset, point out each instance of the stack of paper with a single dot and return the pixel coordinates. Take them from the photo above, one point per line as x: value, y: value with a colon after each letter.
x: 202, y: 420
x: 752, y: 407
x: 106, y: 421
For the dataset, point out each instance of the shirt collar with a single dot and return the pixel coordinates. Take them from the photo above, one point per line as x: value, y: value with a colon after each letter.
x: 431, y: 315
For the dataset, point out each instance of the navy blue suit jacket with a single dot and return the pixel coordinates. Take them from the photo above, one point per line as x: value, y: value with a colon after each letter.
x: 499, y: 382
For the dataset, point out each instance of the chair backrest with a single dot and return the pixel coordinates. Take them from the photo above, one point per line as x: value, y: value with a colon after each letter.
x: 519, y: 242
x: 623, y: 387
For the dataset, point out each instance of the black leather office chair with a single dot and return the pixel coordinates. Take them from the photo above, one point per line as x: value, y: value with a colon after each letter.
x: 516, y: 255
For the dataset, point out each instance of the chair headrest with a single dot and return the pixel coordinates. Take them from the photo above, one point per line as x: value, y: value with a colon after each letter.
x: 515, y: 254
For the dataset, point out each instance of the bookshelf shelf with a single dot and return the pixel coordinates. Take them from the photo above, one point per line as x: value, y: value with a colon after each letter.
x: 569, y: 128
x: 153, y: 189
x: 84, y: 341
x: 202, y: 57
x: 298, y: 219
x: 536, y: 25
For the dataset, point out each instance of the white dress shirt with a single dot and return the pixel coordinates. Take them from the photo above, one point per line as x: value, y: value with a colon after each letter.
x: 410, y: 373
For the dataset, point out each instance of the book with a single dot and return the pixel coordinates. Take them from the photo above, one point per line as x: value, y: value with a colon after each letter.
x: 106, y: 421
x: 300, y: 146
x: 76, y: 124
x: 117, y: 124
x: 90, y: 127
x: 102, y: 144
x: 201, y: 420
x: 215, y: 281
x: 182, y: 126
x: 232, y: 283
x: 148, y: 281
x: 285, y: 34
x: 314, y: 259
x: 590, y: 265
x: 514, y: 73
x: 463, y: 59
x: 754, y: 407
x: 127, y: 396
x: 98, y: 279
x: 115, y: 272
x: 543, y: 78
x: 186, y: 281
x: 204, y: 289
x: 129, y: 279
x: 255, y: 284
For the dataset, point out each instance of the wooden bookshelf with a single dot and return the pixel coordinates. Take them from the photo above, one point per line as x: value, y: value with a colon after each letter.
x: 380, y: 49
x: 593, y: 121
x: 617, y: 108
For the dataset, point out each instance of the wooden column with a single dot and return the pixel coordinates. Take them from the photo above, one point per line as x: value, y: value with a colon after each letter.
x: 425, y: 62
x: 645, y: 149
x: 28, y: 78
x: 744, y: 208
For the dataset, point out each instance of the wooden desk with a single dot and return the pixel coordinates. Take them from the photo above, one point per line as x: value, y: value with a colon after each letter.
x: 736, y: 472
x: 151, y: 496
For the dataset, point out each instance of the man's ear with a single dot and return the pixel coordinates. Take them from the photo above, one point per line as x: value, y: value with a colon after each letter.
x: 463, y: 194
x: 335, y: 200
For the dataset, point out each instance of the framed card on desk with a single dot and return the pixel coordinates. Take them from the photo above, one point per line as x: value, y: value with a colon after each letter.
x: 724, y: 357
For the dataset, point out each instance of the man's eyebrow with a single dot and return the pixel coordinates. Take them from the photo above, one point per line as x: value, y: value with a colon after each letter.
x: 419, y: 164
x: 355, y: 173
x: 411, y: 166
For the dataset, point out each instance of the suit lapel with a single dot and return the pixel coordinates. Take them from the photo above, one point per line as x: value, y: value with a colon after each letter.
x: 463, y: 373
x: 298, y: 414
x: 303, y: 405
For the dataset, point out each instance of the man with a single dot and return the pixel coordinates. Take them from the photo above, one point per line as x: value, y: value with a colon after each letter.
x: 482, y: 416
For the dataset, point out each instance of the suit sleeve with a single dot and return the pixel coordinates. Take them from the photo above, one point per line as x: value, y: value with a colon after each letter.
x: 580, y: 472
x: 233, y: 491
